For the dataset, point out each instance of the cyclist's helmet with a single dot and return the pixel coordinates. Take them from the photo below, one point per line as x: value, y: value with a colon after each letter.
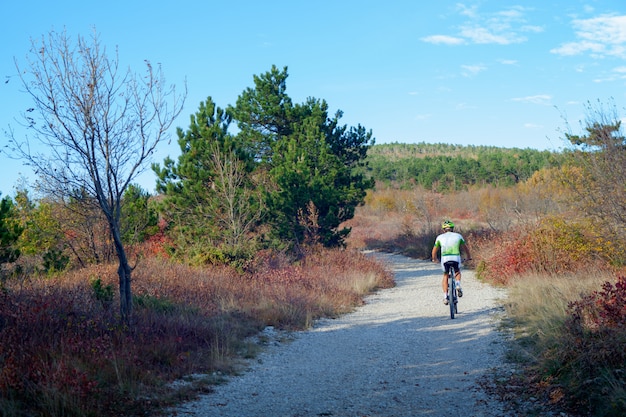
x: 447, y: 225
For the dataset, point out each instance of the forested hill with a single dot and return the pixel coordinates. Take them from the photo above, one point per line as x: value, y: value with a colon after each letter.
x: 445, y: 167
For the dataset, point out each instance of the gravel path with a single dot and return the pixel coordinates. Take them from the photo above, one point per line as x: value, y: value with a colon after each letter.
x: 398, y: 355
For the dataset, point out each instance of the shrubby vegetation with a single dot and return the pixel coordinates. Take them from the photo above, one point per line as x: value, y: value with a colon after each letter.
x: 64, y: 350
x: 259, y: 223
x: 557, y: 240
x: 236, y: 240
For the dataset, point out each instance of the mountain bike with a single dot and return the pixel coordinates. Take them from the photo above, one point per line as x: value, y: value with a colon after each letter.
x: 453, y: 299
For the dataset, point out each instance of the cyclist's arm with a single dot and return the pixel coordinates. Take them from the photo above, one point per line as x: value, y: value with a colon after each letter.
x: 465, y: 248
x: 434, y: 253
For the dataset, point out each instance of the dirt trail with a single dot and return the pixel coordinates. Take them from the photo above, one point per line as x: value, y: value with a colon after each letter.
x: 398, y: 355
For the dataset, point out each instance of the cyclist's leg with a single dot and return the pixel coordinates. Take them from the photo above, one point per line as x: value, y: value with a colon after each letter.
x: 457, y: 277
x: 444, y: 283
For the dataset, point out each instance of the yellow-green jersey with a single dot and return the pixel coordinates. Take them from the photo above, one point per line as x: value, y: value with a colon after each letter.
x: 450, y: 245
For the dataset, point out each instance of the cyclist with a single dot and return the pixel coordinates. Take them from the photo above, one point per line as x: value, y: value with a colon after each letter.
x: 451, y: 245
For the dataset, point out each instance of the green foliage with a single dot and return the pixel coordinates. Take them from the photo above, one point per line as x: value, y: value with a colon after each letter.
x: 443, y: 167
x: 152, y: 303
x: 55, y: 260
x: 213, y: 197
x: 310, y: 157
x: 42, y: 229
x: 102, y: 293
x: 138, y: 217
x: 10, y: 231
x: 287, y: 176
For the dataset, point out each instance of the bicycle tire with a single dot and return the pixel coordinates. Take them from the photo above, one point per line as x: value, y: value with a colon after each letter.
x: 451, y: 292
x: 456, y: 297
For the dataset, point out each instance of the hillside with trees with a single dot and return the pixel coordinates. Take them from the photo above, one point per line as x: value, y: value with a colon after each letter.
x: 445, y: 167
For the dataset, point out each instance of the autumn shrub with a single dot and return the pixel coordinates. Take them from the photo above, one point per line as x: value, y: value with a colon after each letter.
x: 381, y: 202
x: 551, y: 246
x: 47, y: 334
x: 64, y: 350
x: 570, y: 338
x: 374, y: 232
x: 591, y: 359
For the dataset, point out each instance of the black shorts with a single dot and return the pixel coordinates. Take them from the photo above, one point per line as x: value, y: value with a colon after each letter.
x: 451, y: 264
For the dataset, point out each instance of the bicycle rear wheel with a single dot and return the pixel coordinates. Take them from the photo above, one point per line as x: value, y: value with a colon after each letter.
x: 451, y: 293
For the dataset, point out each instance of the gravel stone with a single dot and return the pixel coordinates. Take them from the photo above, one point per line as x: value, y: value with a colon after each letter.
x: 398, y: 355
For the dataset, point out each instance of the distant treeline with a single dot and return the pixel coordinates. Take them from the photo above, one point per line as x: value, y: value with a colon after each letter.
x: 445, y: 167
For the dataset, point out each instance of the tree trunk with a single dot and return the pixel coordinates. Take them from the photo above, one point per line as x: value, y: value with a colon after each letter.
x: 126, y: 295
x: 124, y: 272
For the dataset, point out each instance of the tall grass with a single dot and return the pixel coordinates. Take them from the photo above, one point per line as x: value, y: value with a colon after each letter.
x: 539, y: 307
x: 573, y: 358
x: 64, y: 351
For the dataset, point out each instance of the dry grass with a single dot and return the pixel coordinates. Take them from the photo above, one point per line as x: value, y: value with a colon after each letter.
x: 567, y: 365
x: 64, y: 351
x: 538, y: 307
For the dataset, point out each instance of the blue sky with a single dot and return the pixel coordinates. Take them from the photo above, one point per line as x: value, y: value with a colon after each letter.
x: 502, y: 73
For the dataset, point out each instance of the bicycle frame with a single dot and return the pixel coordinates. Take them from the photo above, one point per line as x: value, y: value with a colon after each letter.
x: 452, y: 293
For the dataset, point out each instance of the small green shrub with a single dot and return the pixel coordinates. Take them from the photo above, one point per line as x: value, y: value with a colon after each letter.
x: 156, y: 304
x: 102, y: 293
x: 55, y: 260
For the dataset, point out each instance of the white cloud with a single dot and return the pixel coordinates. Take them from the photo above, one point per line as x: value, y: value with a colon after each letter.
x: 482, y: 35
x: 470, y: 70
x: 577, y: 48
x: 543, y: 99
x: 599, y: 36
x: 467, y: 11
x: 507, y: 61
x: 514, y: 13
x: 443, y: 39
x: 504, y: 27
x: 464, y: 106
x: 616, y: 74
x: 532, y: 28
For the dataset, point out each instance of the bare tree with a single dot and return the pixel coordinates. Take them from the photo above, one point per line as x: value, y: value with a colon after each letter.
x: 601, y: 155
x: 239, y: 206
x: 94, y: 127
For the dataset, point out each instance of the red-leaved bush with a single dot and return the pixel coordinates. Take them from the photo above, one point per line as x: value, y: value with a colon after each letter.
x: 601, y: 310
x: 591, y: 359
x: 552, y: 246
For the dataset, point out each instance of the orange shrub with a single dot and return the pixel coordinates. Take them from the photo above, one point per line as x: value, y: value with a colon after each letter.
x: 552, y: 246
